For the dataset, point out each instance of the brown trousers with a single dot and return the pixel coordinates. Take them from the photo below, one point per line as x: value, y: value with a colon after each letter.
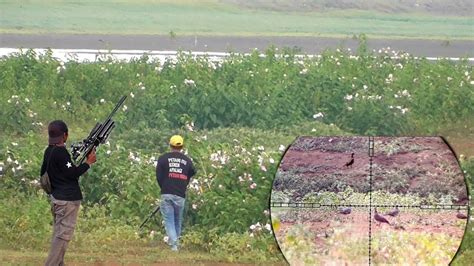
x: 64, y: 222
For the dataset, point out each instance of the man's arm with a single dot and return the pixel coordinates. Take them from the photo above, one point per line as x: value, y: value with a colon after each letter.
x: 43, y: 165
x: 65, y: 164
x: 159, y: 173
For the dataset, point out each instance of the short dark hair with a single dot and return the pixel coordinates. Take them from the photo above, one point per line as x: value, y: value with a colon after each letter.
x: 56, y: 130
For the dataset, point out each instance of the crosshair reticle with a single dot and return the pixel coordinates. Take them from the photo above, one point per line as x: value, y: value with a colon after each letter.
x: 369, y: 201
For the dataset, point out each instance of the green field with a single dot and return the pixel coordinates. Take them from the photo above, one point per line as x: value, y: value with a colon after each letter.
x: 232, y: 18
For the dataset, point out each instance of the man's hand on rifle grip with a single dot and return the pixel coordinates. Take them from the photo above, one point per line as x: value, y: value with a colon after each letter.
x: 91, y: 157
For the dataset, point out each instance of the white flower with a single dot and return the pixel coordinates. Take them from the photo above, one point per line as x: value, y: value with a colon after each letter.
x: 103, y: 101
x: 108, y: 152
x: 304, y: 71
x: 253, y: 186
x: 194, y: 206
x: 365, y: 87
x: 268, y: 227
x: 190, y: 126
x: 260, y: 148
x: 132, y: 95
x: 313, y: 130
x: 472, y: 82
x: 14, y: 144
x: 348, y: 97
x: 166, y: 238
x: 124, y: 108
x: 252, y: 227
x: 318, y: 115
x: 266, y: 212
x: 349, y: 108
x: 68, y: 103
x: 9, y: 160
x: 281, y: 148
x: 263, y: 168
x: 271, y: 160
x: 27, y: 100
x: 142, y: 87
x: 189, y: 82
x: 251, y: 234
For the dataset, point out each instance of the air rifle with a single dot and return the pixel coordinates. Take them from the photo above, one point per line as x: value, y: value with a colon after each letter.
x: 99, y: 135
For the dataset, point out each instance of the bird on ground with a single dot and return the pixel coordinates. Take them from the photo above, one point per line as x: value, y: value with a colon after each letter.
x: 461, y: 215
x: 380, y: 218
x: 351, y: 162
x: 399, y: 227
x: 346, y: 210
x: 394, y: 212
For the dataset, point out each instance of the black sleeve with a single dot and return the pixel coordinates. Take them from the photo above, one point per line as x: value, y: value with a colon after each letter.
x: 63, y: 161
x: 159, y: 172
x: 43, y: 165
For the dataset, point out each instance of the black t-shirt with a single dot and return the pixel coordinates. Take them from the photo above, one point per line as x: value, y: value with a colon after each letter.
x: 173, y: 172
x: 63, y: 173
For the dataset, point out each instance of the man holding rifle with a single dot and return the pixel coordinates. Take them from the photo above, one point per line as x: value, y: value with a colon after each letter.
x: 66, y: 194
x: 173, y: 172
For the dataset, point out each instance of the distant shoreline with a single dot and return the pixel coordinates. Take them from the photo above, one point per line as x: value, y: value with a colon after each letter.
x: 306, y: 44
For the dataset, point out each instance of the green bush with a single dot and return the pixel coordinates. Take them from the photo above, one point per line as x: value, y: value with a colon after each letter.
x: 245, y: 109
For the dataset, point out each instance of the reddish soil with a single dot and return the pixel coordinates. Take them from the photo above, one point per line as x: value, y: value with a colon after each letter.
x: 426, y: 163
x: 326, y: 227
x: 401, y: 165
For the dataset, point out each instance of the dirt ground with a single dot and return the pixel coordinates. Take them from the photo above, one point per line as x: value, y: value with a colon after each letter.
x: 422, y: 166
x: 331, y: 231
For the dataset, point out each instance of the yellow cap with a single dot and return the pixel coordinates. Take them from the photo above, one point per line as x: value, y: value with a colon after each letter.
x: 176, y: 141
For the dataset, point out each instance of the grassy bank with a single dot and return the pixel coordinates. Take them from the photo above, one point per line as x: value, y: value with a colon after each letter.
x: 226, y: 18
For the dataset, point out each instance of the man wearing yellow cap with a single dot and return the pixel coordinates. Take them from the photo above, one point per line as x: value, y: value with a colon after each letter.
x: 173, y: 172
